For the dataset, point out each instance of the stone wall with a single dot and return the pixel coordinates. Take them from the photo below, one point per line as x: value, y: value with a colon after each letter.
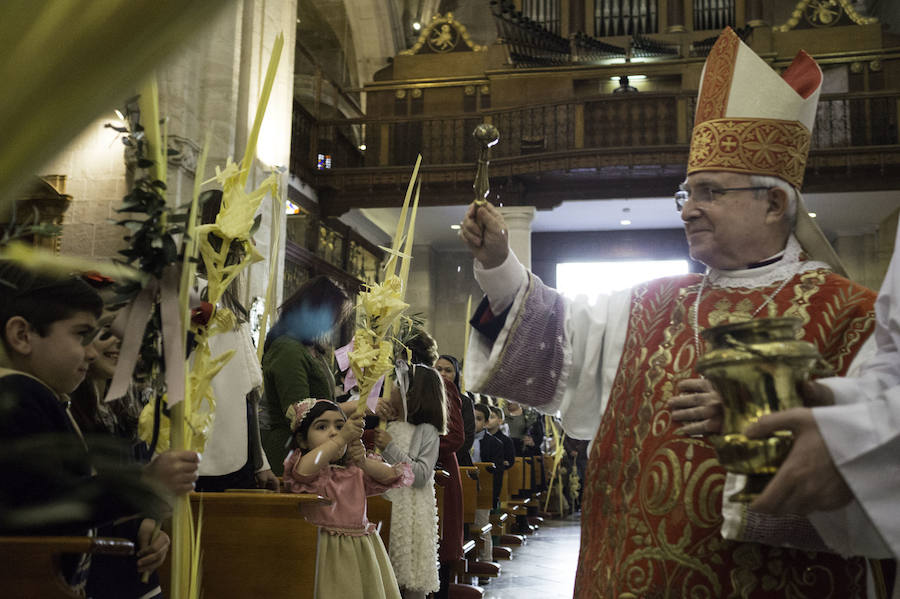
x: 209, y: 87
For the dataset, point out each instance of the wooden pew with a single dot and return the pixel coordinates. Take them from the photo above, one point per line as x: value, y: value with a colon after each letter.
x: 516, y: 473
x: 500, y: 519
x: 517, y: 508
x: 29, y: 566
x: 378, y: 512
x: 251, y: 540
x: 472, y: 483
x: 532, y: 490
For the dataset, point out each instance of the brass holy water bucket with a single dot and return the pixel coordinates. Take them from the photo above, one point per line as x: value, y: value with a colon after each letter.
x: 757, y: 367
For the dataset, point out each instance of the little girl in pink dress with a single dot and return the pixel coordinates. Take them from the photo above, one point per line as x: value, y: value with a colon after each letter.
x: 351, y: 561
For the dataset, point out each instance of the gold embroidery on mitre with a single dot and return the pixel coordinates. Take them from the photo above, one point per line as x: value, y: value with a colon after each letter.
x: 717, y: 76
x: 757, y: 146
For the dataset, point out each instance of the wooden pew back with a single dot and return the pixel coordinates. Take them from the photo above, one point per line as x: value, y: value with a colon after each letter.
x: 257, y: 545
x: 29, y: 566
x: 378, y: 512
x: 470, y: 486
x: 515, y: 474
x: 485, y: 498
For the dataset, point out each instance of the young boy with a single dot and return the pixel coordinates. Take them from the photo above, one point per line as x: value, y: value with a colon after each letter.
x: 494, y: 424
x: 46, y: 325
x: 486, y: 448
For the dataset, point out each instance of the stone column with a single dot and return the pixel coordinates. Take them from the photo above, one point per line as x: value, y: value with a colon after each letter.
x: 518, y: 221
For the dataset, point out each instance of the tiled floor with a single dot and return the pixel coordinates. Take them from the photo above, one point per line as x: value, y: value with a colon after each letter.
x: 544, y: 567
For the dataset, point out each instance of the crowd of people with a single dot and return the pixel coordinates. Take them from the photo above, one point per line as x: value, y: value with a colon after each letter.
x: 62, y: 351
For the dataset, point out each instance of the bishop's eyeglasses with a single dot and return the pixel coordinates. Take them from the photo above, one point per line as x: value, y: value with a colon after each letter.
x: 705, y: 196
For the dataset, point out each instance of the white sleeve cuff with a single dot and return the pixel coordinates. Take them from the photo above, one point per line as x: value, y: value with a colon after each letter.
x: 501, y: 283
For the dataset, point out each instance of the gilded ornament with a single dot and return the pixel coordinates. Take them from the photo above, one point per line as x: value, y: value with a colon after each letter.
x: 757, y: 367
x: 443, y: 35
x: 823, y: 13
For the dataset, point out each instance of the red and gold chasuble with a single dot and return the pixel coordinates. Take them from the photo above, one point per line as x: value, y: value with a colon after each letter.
x: 653, y: 498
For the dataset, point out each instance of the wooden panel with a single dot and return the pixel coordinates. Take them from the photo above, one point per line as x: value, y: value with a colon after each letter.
x: 378, y: 512
x: 29, y: 565
x: 471, y: 483
x: 485, y: 489
x: 515, y: 475
x: 257, y: 545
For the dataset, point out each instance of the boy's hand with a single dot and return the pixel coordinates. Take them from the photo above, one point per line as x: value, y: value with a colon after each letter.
x: 176, y: 470
x: 382, y: 439
x: 357, y: 452
x: 151, y: 551
x: 353, y: 428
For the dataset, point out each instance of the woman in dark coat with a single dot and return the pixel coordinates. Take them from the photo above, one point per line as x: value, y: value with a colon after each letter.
x: 296, y: 363
x: 448, y: 367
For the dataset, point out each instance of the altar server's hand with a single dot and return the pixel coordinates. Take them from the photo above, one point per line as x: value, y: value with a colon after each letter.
x: 699, y: 406
x: 807, y: 481
x: 484, y: 231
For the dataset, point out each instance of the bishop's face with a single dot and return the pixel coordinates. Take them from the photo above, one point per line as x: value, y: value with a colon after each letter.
x: 726, y: 229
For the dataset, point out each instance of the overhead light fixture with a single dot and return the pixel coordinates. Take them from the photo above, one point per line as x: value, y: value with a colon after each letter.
x: 630, y: 77
x: 362, y: 147
x: 456, y: 227
x: 624, y: 222
x: 417, y: 26
x: 812, y: 214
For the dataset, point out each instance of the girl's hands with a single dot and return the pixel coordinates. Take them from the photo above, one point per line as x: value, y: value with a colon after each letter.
x: 384, y: 410
x: 357, y: 452
x: 353, y: 429
x: 382, y: 438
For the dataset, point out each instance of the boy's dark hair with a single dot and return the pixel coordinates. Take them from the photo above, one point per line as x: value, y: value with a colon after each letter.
x: 422, y: 346
x: 426, y: 401
x: 485, y: 411
x: 319, y: 408
x: 497, y: 411
x: 43, y: 299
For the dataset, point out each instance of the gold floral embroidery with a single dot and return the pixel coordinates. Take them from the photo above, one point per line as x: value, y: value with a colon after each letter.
x: 653, y: 503
x: 758, y: 146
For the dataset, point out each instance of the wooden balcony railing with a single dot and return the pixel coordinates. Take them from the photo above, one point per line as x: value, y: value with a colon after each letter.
x: 582, y: 149
x: 644, y: 120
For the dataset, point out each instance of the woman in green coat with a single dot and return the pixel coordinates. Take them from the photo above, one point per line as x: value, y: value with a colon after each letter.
x: 296, y: 362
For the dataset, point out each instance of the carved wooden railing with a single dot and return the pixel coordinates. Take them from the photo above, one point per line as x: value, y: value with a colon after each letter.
x: 603, y: 123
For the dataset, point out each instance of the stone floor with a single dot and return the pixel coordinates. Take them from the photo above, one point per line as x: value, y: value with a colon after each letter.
x: 544, y: 567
